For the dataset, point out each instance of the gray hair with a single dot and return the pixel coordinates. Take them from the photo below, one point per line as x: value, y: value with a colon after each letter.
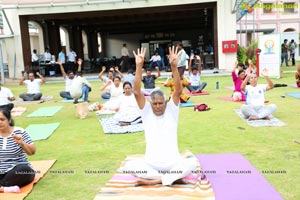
x: 157, y: 93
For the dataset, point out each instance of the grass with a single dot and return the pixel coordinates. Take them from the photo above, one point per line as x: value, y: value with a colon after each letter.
x: 80, y: 145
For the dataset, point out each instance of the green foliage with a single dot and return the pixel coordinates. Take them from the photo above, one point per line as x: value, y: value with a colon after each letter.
x: 245, y: 53
x: 241, y: 54
x: 251, y: 51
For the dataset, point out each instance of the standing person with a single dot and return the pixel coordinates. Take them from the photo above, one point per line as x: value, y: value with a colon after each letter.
x: 34, y: 60
x: 15, y: 170
x: 292, y: 47
x: 80, y: 87
x: 47, y: 55
x: 181, y: 59
x: 160, y: 121
x: 161, y: 52
x: 149, y: 81
x: 34, y: 56
x: 62, y: 57
x: 33, y: 87
x: 69, y: 78
x: 195, y: 68
x: 72, y: 60
x: 255, y: 107
x: 284, y: 52
x: 124, y: 58
x: 5, y: 97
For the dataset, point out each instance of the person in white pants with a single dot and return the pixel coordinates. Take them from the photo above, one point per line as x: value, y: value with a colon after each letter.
x: 162, y: 163
x: 255, y: 107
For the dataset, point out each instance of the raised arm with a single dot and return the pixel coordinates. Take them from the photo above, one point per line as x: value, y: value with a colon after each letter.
x: 63, y: 73
x: 178, y: 87
x: 41, y: 77
x: 199, y: 64
x: 245, y: 81
x: 270, y: 85
x: 22, y: 78
x: 139, y: 61
x: 79, y: 62
x: 100, y: 75
x: 235, y: 65
x: 118, y: 71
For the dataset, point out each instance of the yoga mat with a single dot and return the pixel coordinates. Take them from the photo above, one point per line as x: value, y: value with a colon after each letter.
x: 70, y: 100
x: 17, y: 111
x: 43, y: 99
x: 293, y: 94
x: 41, y: 131
x: 293, y: 85
x: 196, y: 94
x: 105, y: 112
x: 121, y: 186
x: 110, y: 126
x: 256, y: 123
x: 41, y: 167
x: 187, y: 104
x: 230, y: 99
x: 234, y: 178
x: 45, y: 111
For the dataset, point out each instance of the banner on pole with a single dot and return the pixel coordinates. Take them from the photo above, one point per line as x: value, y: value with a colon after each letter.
x: 270, y: 55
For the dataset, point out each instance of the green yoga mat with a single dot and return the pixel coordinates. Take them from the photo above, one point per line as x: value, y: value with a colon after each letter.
x: 45, y: 111
x: 41, y: 131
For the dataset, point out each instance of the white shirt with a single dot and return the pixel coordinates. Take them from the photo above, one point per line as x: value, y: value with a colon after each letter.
x: 68, y: 83
x: 47, y: 56
x: 182, y: 58
x: 76, y: 87
x: 124, y: 51
x: 33, y: 87
x: 34, y: 57
x: 194, y: 79
x: 155, y: 58
x: 5, y: 93
x: 161, y: 135
x: 255, y: 96
x: 72, y: 56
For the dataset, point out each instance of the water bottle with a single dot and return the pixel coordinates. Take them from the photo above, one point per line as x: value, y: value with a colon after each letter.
x: 217, y: 85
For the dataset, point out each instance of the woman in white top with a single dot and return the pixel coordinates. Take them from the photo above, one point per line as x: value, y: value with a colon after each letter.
x: 116, y: 90
x: 127, y: 111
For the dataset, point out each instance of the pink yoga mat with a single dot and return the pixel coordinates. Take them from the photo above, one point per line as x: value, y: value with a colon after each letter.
x: 234, y: 178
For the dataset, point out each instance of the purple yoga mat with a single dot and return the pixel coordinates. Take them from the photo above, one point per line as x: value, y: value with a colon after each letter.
x: 234, y: 178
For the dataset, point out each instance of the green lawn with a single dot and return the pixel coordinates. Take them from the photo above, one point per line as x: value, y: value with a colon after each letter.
x: 80, y: 145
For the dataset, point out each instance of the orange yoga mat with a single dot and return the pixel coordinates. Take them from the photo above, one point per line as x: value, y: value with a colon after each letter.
x: 39, y: 166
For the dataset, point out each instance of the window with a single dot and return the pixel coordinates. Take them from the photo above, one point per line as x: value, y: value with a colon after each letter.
x: 268, y: 7
x: 289, y: 8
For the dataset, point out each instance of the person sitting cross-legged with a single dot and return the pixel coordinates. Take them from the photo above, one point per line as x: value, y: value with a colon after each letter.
x: 195, y: 69
x: 160, y: 121
x: 69, y: 78
x: 33, y: 87
x: 255, y: 107
x: 149, y: 81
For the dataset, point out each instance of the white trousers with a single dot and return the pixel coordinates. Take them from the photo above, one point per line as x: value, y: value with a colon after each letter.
x: 259, y: 111
x: 178, y: 170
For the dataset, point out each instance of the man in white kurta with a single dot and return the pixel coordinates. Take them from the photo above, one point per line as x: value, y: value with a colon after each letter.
x: 162, y: 163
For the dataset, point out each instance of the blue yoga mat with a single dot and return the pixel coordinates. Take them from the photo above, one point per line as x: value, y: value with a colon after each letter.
x: 187, y: 104
x: 293, y: 94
